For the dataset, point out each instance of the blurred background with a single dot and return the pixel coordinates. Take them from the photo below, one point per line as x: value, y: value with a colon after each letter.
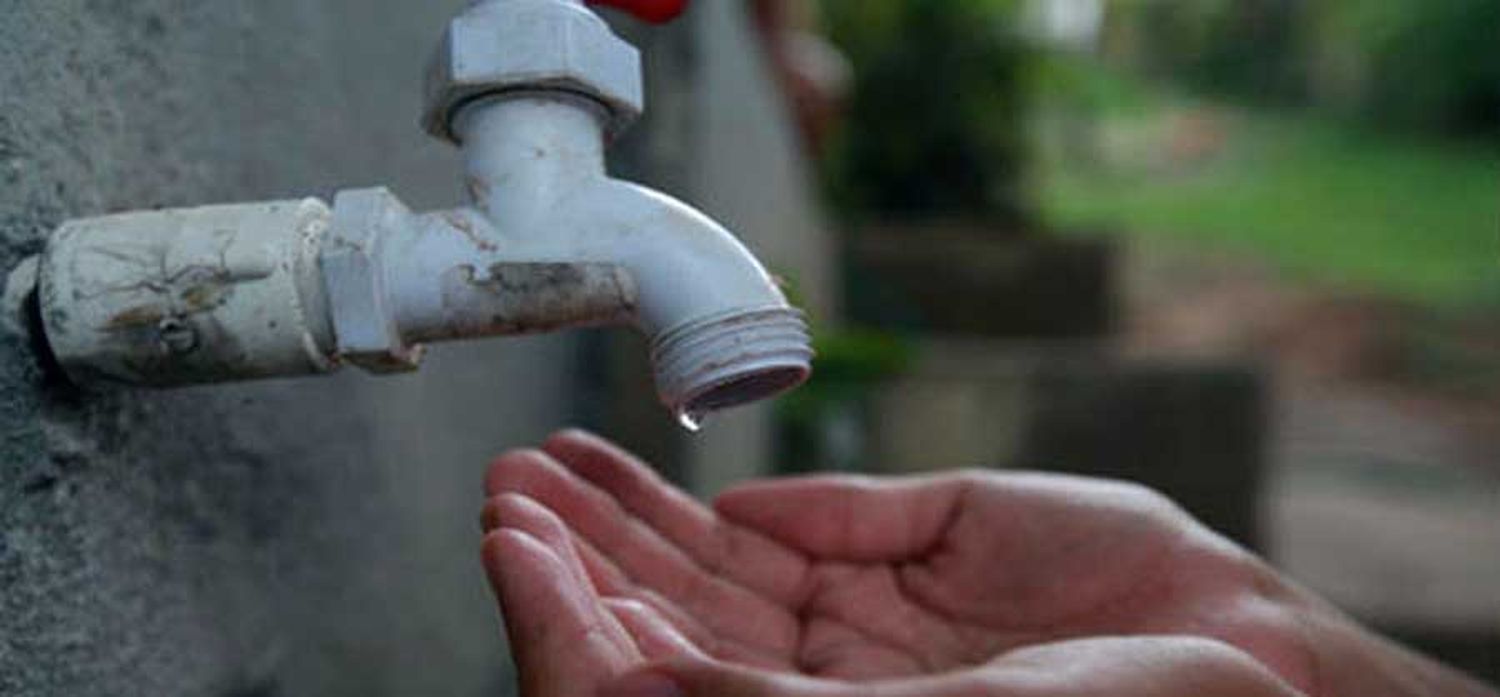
x: 1244, y: 251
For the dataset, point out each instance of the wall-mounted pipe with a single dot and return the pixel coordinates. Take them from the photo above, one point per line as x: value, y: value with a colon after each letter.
x: 532, y: 90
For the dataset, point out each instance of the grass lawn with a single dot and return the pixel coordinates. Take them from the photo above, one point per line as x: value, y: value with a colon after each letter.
x: 1326, y: 203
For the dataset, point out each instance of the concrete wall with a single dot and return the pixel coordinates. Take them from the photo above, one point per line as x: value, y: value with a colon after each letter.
x: 294, y: 538
x: 313, y: 537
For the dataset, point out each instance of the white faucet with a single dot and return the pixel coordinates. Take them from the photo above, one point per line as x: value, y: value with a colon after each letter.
x: 531, y: 90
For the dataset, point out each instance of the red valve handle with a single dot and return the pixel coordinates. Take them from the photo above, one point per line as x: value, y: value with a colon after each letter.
x: 655, y: 11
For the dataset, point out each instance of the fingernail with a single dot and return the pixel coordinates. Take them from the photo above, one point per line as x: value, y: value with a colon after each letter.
x: 643, y: 685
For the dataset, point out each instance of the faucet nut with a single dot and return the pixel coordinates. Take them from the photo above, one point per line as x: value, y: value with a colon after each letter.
x: 520, y: 45
x: 364, y: 324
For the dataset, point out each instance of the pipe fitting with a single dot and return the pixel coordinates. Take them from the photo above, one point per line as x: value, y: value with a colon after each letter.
x: 177, y: 297
x: 352, y: 259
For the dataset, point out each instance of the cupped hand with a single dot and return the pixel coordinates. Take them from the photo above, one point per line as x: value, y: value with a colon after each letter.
x: 971, y: 583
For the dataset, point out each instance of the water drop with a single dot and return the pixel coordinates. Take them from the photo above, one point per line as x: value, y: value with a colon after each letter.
x: 690, y: 420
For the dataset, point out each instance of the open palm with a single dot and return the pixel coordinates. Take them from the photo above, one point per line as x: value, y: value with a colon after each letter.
x: 858, y: 581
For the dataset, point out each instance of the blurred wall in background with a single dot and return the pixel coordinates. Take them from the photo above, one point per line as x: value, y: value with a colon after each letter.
x: 1240, y: 251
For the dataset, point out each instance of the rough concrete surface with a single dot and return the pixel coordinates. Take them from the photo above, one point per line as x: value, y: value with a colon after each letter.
x: 308, y: 537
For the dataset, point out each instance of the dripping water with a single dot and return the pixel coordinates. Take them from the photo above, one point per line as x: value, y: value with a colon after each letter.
x: 691, y: 420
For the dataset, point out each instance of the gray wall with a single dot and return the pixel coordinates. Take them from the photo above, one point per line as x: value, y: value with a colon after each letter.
x: 294, y: 538
x: 314, y: 537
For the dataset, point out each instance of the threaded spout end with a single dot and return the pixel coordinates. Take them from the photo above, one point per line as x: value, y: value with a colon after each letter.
x: 731, y: 359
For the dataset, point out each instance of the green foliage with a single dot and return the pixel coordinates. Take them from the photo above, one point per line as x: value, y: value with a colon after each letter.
x: 1419, y: 64
x: 1409, y: 217
x: 935, y: 123
x: 1434, y: 63
x: 861, y: 356
x: 1074, y: 82
x: 1248, y: 48
x: 849, y: 363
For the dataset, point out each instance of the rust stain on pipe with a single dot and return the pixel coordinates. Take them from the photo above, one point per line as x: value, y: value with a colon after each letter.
x: 458, y: 222
x: 528, y: 298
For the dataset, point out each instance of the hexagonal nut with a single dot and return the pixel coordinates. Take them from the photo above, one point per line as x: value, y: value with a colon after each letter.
x: 351, y: 258
x: 531, y: 44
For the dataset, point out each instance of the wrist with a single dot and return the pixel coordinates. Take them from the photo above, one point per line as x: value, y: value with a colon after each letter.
x: 1351, y: 661
x: 1323, y: 651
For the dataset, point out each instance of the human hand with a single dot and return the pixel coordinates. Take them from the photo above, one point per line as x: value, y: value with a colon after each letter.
x: 978, y: 583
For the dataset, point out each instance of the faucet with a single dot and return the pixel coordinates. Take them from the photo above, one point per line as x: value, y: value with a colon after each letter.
x: 531, y: 91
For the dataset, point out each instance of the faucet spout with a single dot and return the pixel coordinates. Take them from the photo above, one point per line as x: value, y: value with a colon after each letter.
x: 551, y: 241
x: 722, y: 332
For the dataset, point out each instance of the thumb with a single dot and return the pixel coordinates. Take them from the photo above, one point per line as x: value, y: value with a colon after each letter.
x: 715, y: 679
x: 847, y: 518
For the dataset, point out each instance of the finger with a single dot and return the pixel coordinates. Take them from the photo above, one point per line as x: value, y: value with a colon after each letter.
x: 1159, y: 666
x: 657, y: 638
x: 587, y: 563
x: 695, y: 678
x: 727, y: 550
x: 712, y: 679
x: 522, y: 513
x: 645, y: 557
x: 557, y: 637
x: 846, y: 518
x: 613, y: 583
